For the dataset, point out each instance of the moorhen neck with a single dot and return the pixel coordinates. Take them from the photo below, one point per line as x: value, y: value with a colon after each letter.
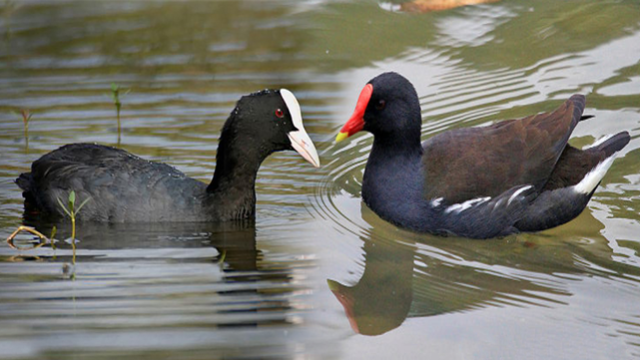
x: 483, y: 182
x: 125, y: 188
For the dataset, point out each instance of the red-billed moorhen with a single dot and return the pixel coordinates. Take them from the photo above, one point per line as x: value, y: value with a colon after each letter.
x: 482, y: 182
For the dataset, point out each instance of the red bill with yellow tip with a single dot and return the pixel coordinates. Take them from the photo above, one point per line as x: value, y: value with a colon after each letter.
x: 356, y: 121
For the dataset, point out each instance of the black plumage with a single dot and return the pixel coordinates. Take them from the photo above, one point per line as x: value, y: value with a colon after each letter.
x: 125, y: 188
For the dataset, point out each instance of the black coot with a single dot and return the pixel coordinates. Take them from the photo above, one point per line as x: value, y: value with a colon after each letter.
x: 126, y: 188
x: 482, y: 182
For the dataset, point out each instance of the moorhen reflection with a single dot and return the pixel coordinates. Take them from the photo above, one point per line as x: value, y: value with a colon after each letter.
x: 412, y: 275
x: 381, y: 299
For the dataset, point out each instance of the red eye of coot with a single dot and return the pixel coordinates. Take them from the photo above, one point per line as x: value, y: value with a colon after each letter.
x: 279, y: 113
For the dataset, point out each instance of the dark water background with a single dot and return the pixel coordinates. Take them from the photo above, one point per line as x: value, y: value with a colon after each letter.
x: 264, y: 289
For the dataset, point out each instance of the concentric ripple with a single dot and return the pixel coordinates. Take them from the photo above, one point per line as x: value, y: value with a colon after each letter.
x: 450, y: 275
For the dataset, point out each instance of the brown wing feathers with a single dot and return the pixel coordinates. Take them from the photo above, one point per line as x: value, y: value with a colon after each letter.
x: 523, y: 151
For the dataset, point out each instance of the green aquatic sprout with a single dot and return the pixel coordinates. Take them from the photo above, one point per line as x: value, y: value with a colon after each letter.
x: 26, y: 117
x: 53, y: 241
x: 72, y: 212
x: 8, y: 10
x: 223, y: 256
x: 116, y: 93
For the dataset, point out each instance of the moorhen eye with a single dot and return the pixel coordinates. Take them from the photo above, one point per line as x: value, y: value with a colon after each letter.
x: 381, y: 104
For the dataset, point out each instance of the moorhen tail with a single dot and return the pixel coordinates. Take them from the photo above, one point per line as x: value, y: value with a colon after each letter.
x: 482, y: 182
x: 125, y: 188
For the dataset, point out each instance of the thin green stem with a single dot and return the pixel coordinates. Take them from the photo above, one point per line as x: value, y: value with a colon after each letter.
x: 53, y: 233
x: 118, y: 105
x: 73, y: 238
x: 26, y: 116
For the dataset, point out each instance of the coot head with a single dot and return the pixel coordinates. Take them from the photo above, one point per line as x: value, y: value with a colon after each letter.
x: 269, y: 121
x: 388, y: 106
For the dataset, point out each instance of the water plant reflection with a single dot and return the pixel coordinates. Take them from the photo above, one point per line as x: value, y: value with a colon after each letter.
x: 26, y: 117
x: 116, y: 93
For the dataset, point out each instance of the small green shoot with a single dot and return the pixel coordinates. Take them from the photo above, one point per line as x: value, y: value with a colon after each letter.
x: 72, y: 212
x: 116, y: 93
x: 9, y: 8
x: 26, y: 117
x: 53, y: 241
x: 223, y: 256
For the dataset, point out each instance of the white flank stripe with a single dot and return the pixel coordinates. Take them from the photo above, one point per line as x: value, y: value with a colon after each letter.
x: 598, y: 142
x: 458, y: 208
x: 593, y: 177
x: 436, y: 202
x: 518, y: 192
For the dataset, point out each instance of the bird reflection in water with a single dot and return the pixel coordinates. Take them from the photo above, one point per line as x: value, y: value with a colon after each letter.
x: 239, y: 287
x: 410, y: 275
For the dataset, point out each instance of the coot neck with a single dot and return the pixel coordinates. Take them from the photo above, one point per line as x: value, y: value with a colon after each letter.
x: 233, y: 185
x: 236, y: 167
